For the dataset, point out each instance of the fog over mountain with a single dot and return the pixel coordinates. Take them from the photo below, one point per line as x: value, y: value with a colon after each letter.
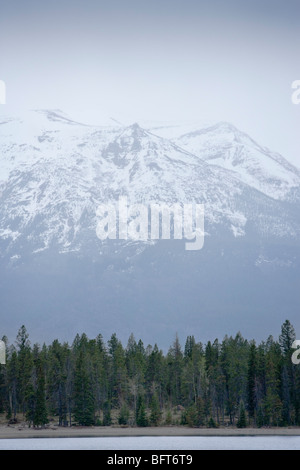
x: 58, y: 278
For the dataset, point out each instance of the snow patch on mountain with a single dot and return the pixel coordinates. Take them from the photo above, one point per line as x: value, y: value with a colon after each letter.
x: 224, y: 145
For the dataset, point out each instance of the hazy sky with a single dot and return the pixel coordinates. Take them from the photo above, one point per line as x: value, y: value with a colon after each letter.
x: 158, y: 59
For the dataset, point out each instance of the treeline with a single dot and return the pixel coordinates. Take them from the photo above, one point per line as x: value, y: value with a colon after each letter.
x: 235, y: 382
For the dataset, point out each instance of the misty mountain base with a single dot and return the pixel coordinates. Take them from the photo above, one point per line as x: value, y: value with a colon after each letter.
x: 88, y: 383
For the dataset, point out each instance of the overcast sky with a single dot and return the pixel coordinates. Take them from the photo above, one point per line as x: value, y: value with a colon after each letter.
x: 157, y: 59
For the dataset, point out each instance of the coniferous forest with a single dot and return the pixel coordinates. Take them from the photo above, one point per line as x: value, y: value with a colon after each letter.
x: 234, y: 382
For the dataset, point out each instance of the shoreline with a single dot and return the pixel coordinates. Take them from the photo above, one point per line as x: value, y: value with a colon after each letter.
x: 18, y: 432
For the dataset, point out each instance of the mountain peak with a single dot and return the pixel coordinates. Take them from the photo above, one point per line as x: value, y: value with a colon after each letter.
x: 135, y: 126
x: 136, y: 130
x: 133, y: 133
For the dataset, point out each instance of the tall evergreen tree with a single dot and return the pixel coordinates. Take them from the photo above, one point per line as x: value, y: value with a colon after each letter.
x: 40, y: 417
x: 175, y: 364
x: 124, y: 414
x: 291, y: 406
x: 251, y: 383
x: 242, y: 420
x: 84, y: 403
x: 155, y: 412
x: 12, y: 383
x: 141, y: 415
x: 272, y: 402
x: 57, y: 376
x: 25, y: 367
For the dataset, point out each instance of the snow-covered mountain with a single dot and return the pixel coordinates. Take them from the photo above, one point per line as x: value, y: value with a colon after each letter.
x: 225, y: 146
x: 54, y: 173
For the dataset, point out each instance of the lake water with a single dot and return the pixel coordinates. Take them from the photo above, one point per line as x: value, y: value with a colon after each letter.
x: 155, y: 443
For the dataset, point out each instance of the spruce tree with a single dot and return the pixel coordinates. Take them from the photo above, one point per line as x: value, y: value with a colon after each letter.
x: 40, y: 411
x: 287, y: 337
x: 12, y: 384
x: 242, y: 420
x: 57, y: 376
x: 289, y: 388
x: 141, y: 415
x: 200, y: 405
x: 251, y: 381
x: 107, y: 414
x: 84, y: 403
x: 30, y: 400
x: 124, y: 415
x: 155, y: 412
x: 25, y: 367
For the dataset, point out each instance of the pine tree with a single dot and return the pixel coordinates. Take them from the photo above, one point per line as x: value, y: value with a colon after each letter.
x: 211, y: 422
x: 3, y: 391
x: 124, y: 415
x: 100, y: 373
x: 155, y: 374
x: 25, y: 367
x: 40, y: 411
x: 57, y: 377
x: 260, y: 418
x: 107, y: 414
x: 175, y: 363
x: 118, y: 377
x: 168, y: 419
x: 141, y: 415
x: 251, y: 381
x: 12, y: 384
x: 286, y: 338
x: 242, y: 421
x: 84, y: 403
x: 189, y: 347
x: 191, y: 416
x: 30, y: 400
x: 155, y: 412
x: 291, y: 405
x: 200, y: 406
x: 286, y: 400
x: 272, y: 402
